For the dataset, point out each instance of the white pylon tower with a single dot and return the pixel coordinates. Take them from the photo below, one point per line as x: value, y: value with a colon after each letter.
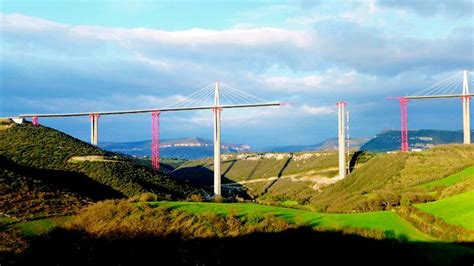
x: 348, y: 144
x: 217, y: 141
x: 94, y: 128
x: 341, y: 108
x: 466, y: 110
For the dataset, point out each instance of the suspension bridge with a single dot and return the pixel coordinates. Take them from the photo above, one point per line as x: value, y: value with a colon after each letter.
x: 219, y: 96
x: 216, y: 97
x: 455, y: 86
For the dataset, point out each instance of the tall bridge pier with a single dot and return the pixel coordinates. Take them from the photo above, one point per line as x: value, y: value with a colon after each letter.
x: 94, y: 128
x: 341, y: 108
x: 466, y: 109
x: 217, y: 140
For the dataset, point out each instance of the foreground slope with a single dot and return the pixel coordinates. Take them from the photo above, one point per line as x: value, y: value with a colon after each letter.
x: 122, y: 232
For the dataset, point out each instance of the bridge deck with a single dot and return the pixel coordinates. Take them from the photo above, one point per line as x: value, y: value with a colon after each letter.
x: 151, y: 110
x: 437, y: 96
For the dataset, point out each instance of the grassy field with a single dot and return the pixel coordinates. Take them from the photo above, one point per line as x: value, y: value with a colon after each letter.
x: 458, y: 209
x: 466, y: 174
x: 42, y: 226
x: 194, y: 233
x: 383, y: 221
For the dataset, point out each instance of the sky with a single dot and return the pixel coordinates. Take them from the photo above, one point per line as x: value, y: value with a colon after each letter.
x: 73, y: 55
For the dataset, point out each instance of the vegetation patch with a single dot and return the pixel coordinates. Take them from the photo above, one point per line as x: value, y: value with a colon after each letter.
x: 391, y: 180
x: 37, y: 149
x: 119, y: 218
x: 93, y: 158
x: 375, y: 222
x: 434, y: 226
x: 457, y: 210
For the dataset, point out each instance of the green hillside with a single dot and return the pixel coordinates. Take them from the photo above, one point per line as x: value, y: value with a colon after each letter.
x: 383, y: 221
x: 122, y: 232
x: 418, y: 204
x: 390, y: 180
x: 378, y: 182
x: 248, y: 166
x: 40, y: 162
x: 458, y: 209
x: 263, y: 176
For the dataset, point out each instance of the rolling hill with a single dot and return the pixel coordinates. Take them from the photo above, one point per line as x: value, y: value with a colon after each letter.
x: 327, y: 145
x: 40, y: 163
x: 255, y: 175
x: 305, y: 180
x: 393, y: 179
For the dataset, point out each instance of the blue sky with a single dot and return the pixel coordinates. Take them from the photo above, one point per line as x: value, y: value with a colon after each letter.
x: 64, y: 56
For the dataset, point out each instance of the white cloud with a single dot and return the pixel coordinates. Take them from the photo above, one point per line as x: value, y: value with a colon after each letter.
x: 329, y: 81
x: 27, y: 24
x: 318, y: 110
x: 160, y: 64
x: 240, y: 37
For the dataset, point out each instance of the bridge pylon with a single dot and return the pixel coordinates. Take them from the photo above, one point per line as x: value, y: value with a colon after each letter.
x: 94, y: 128
x: 341, y: 108
x: 217, y: 140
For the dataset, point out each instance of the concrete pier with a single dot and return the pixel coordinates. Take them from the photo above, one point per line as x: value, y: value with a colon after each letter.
x: 94, y: 128
x: 341, y: 110
x: 217, y: 141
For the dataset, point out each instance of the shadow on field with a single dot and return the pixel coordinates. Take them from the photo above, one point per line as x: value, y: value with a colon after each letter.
x: 265, y: 191
x: 290, y: 247
x: 203, y: 177
x: 353, y: 160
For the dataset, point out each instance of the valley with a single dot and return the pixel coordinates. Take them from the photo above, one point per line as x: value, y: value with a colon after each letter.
x: 409, y: 198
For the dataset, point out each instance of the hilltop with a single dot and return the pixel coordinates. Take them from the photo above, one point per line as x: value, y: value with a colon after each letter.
x: 326, y: 145
x: 418, y: 139
x: 40, y: 163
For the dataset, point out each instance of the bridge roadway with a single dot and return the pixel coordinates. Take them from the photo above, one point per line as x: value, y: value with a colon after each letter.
x: 150, y: 110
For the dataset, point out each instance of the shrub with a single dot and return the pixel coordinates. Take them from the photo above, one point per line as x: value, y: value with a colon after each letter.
x: 148, y: 196
x: 196, y: 198
x: 218, y: 199
x: 120, y: 218
x: 434, y: 226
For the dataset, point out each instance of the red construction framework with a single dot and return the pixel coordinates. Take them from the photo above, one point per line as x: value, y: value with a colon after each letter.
x: 404, y: 123
x: 155, y: 140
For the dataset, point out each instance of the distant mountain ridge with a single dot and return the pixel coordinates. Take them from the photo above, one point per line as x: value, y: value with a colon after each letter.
x: 184, y: 148
x: 417, y: 139
x: 327, y: 145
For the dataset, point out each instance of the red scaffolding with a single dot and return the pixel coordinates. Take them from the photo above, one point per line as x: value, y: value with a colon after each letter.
x: 155, y: 140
